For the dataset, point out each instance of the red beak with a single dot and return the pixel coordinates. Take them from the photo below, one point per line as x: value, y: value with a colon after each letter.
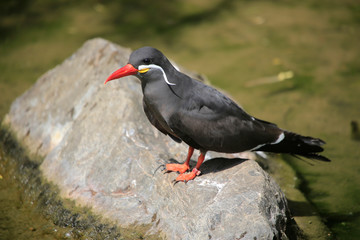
x: 126, y: 70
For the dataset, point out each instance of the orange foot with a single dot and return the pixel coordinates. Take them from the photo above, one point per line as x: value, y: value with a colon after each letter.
x: 174, y: 167
x: 184, y: 177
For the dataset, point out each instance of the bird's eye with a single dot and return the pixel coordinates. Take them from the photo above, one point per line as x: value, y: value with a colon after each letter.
x: 147, y: 60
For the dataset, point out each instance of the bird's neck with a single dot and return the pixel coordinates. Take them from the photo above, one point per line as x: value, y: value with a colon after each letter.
x: 163, y: 98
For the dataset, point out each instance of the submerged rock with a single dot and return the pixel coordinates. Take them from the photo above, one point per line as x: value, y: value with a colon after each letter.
x: 102, y: 152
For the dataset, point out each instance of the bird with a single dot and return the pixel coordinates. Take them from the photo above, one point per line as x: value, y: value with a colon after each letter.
x: 190, y: 111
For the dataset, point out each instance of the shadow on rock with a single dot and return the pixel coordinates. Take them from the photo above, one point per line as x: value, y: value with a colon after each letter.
x: 219, y: 164
x: 215, y: 164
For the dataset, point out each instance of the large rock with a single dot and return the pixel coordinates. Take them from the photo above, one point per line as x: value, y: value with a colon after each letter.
x: 102, y: 152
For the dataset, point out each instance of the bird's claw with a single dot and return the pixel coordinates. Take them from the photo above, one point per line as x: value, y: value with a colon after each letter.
x: 174, y: 182
x: 159, y: 167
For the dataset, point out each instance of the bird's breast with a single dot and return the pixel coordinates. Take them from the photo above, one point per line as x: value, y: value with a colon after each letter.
x: 160, y: 99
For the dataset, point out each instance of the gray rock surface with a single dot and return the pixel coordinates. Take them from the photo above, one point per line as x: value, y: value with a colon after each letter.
x: 102, y: 152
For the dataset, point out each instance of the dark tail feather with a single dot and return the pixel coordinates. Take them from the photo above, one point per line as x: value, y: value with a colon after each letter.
x: 298, y: 145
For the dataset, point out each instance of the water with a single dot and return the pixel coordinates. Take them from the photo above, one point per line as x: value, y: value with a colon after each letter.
x: 19, y: 216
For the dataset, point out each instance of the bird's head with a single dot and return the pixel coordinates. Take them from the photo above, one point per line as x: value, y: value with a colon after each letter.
x: 144, y: 63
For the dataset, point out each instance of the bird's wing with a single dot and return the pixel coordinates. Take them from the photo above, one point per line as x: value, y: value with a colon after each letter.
x: 209, y: 120
x: 157, y: 124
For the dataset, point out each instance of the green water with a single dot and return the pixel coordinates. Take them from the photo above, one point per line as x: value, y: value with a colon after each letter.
x: 19, y: 216
x: 242, y: 47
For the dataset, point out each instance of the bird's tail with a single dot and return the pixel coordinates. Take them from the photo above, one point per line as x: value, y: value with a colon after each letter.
x: 298, y: 145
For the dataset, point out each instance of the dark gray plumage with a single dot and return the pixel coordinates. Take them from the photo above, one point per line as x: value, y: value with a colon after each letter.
x: 204, y: 118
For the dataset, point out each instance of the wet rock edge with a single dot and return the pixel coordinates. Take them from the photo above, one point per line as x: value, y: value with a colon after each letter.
x: 82, y: 223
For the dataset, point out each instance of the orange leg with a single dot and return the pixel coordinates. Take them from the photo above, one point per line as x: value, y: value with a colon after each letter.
x: 184, y: 177
x: 181, y: 168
